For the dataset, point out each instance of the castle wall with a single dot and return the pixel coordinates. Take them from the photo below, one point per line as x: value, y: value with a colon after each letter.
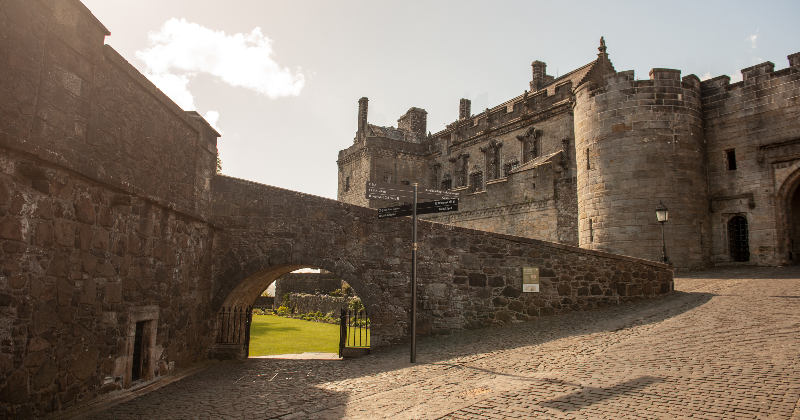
x: 639, y: 143
x: 383, y: 160
x: 355, y: 164
x: 104, y: 190
x: 758, y: 119
x: 522, y: 204
x: 82, y: 264
x: 82, y: 106
x: 539, y: 203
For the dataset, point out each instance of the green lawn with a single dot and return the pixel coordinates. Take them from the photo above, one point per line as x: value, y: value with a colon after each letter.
x: 270, y: 334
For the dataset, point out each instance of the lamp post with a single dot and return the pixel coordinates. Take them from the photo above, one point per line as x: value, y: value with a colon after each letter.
x: 662, y: 215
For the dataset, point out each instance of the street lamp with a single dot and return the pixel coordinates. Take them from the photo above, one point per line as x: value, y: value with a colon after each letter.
x: 662, y: 214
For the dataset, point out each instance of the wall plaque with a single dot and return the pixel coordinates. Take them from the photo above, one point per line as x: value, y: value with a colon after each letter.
x: 530, y: 279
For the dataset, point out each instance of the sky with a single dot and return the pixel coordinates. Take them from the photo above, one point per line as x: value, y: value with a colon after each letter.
x: 280, y: 80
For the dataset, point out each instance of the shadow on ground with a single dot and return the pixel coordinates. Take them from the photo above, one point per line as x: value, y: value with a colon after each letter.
x: 270, y: 388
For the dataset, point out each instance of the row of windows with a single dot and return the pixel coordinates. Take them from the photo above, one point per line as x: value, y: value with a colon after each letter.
x: 730, y: 164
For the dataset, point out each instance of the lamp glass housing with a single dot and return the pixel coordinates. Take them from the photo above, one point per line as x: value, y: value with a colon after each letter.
x: 662, y: 214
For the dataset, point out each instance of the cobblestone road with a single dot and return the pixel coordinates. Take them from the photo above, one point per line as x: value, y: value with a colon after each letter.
x: 725, y: 345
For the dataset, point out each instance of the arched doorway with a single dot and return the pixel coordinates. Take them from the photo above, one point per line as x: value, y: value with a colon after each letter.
x: 738, y: 239
x: 788, y: 217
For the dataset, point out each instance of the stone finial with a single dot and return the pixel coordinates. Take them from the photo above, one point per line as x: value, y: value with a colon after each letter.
x: 602, y: 47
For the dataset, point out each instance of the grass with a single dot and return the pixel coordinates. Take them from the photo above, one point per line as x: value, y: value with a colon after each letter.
x: 270, y: 334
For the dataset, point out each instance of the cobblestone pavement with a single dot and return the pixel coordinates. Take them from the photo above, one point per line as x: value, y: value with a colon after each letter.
x: 724, y: 346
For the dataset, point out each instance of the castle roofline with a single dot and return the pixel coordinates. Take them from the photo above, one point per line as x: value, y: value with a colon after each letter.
x: 578, y: 77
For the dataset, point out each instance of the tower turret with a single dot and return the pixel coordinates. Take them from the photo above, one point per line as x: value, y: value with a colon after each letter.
x: 638, y: 143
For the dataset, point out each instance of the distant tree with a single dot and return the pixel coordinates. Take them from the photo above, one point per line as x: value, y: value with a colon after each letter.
x: 219, y: 165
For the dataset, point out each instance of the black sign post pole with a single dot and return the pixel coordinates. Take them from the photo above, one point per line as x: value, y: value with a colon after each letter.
x: 414, y: 278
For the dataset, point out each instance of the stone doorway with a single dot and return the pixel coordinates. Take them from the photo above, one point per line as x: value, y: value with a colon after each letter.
x: 738, y: 239
x: 794, y: 224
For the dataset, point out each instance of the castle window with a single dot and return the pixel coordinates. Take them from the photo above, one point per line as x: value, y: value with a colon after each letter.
x: 447, y: 184
x: 476, y: 182
x: 588, y: 163
x: 347, y: 183
x: 386, y: 177
x: 591, y: 231
x: 731, y: 159
x: 404, y: 182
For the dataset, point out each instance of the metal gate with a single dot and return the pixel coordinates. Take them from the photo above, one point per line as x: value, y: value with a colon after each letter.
x: 739, y: 242
x: 354, y: 333
x: 234, y: 326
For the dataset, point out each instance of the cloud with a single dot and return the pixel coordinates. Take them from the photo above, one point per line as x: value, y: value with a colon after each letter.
x: 212, y: 117
x: 706, y: 76
x: 243, y: 60
x: 174, y: 86
x: 753, y: 39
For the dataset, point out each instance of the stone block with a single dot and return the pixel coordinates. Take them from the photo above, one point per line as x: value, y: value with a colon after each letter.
x: 11, y: 228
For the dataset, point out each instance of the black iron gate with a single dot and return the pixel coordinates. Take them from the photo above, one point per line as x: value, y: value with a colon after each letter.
x: 354, y: 332
x: 234, y: 326
x: 739, y: 242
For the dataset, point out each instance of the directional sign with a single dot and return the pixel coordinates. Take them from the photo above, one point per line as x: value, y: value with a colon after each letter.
x: 398, y: 192
x: 440, y: 206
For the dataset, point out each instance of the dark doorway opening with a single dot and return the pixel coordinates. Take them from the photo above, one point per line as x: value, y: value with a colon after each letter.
x: 794, y: 224
x: 739, y: 243
x: 138, y: 341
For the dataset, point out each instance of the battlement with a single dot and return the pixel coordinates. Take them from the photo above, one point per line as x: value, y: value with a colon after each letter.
x: 750, y: 76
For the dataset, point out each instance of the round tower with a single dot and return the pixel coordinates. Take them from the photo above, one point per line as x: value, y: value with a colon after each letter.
x: 640, y: 143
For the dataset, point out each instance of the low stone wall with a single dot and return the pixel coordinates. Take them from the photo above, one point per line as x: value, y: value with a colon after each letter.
x: 322, y: 303
x: 308, y: 283
x: 264, y: 302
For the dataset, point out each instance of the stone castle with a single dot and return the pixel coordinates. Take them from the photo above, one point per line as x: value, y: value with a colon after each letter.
x: 126, y: 258
x: 584, y: 159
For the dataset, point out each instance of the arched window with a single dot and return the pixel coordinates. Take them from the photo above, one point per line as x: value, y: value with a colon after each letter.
x: 737, y: 235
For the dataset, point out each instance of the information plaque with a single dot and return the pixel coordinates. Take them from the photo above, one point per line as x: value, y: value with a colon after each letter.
x: 530, y: 279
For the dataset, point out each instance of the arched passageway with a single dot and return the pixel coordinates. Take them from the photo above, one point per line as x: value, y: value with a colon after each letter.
x: 234, y: 317
x: 467, y: 279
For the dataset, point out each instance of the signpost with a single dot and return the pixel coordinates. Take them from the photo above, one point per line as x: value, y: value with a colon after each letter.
x: 444, y: 201
x: 395, y: 192
x: 438, y: 206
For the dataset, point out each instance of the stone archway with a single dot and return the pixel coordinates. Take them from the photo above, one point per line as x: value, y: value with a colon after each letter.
x: 788, y: 219
x: 242, y: 289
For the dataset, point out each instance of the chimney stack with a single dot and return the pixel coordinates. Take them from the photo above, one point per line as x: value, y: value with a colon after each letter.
x: 363, y: 107
x: 464, y: 109
x: 539, y: 70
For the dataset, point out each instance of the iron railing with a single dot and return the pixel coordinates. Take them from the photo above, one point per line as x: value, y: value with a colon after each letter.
x: 234, y: 326
x: 354, y: 329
